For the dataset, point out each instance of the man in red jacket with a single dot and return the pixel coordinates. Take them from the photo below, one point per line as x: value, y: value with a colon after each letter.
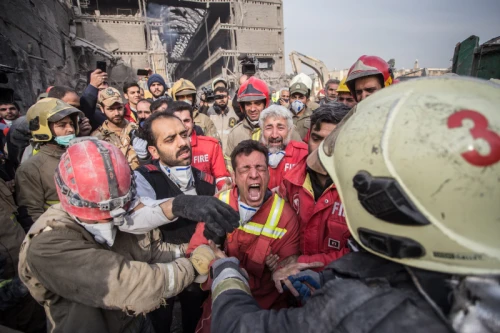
x: 206, y: 151
x: 132, y: 93
x: 276, y: 124
x: 268, y: 226
x: 314, y: 197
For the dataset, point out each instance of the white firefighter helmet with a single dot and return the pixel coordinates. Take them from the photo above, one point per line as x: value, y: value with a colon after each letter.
x: 417, y: 166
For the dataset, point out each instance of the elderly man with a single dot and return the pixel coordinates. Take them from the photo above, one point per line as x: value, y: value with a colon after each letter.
x: 276, y: 125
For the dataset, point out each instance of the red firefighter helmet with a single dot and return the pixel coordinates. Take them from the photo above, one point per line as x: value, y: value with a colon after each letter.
x: 94, y: 181
x: 253, y: 90
x: 368, y: 66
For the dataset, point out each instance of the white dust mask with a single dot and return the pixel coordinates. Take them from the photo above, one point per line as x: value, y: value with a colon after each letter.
x: 246, y: 212
x: 275, y: 158
x: 102, y: 232
x: 297, y: 106
x: 182, y: 176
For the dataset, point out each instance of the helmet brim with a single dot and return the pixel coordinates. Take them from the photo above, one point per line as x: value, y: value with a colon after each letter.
x: 64, y: 113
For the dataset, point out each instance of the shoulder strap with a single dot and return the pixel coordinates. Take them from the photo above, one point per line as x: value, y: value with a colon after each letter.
x: 148, y: 168
x: 207, y: 178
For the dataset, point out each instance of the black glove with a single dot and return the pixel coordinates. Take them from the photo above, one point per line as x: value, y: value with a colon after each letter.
x: 219, y: 217
x: 12, y: 293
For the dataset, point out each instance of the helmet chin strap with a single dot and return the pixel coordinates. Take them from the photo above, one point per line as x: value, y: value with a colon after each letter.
x: 253, y: 123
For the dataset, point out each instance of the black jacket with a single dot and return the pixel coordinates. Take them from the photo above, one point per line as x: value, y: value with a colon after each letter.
x: 181, y: 230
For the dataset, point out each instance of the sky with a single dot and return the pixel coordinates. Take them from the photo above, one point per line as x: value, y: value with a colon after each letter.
x: 339, y: 32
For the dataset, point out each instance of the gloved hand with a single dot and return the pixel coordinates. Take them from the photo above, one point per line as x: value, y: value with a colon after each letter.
x: 201, y: 258
x: 140, y: 147
x: 220, y: 218
x: 303, y: 281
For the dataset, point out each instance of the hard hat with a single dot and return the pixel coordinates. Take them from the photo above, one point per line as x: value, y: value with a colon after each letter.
x: 302, y: 78
x: 343, y: 87
x: 182, y: 88
x: 368, y: 66
x: 94, y: 181
x: 49, y: 110
x: 217, y: 80
x: 253, y: 90
x: 420, y: 184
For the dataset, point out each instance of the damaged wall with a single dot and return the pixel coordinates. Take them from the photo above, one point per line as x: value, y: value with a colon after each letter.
x: 34, y: 38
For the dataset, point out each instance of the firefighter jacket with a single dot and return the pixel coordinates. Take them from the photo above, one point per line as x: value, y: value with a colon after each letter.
x: 224, y: 123
x: 323, y: 229
x: 130, y: 114
x: 86, y: 286
x: 303, y: 123
x: 295, y: 151
x: 121, y: 140
x: 182, y: 229
x: 35, y: 186
x: 361, y: 293
x: 245, y: 131
x: 273, y: 229
x: 207, y: 157
x: 205, y: 123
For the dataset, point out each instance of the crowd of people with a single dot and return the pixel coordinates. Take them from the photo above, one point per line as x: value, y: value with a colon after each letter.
x: 258, y: 212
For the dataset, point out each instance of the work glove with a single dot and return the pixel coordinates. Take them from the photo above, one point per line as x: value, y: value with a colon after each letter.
x: 140, y: 147
x: 220, y: 218
x: 303, y: 281
x: 11, y: 293
x: 201, y: 258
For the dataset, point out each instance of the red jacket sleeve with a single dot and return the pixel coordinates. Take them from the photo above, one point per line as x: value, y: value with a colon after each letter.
x: 197, y: 239
x: 219, y: 166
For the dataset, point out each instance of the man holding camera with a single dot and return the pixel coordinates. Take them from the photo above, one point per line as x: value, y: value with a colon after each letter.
x: 222, y: 115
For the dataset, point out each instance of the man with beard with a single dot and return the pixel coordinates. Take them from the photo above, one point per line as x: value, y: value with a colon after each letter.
x: 206, y: 151
x: 157, y: 86
x: 143, y: 111
x: 116, y: 129
x: 171, y: 175
x: 268, y: 227
x: 315, y: 199
x: 132, y: 93
x: 9, y: 111
x: 222, y: 115
x: 331, y: 93
x: 276, y: 125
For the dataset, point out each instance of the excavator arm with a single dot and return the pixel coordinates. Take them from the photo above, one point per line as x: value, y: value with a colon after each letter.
x: 318, y: 66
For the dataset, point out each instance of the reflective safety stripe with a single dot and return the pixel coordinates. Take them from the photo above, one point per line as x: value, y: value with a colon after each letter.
x: 49, y: 203
x: 256, y: 134
x: 35, y: 151
x: 270, y: 229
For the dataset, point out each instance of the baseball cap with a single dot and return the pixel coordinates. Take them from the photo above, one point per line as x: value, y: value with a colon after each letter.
x: 110, y: 96
x: 298, y: 87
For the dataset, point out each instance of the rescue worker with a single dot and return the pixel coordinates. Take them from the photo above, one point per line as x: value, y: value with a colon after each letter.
x: 268, y: 227
x: 171, y: 175
x: 69, y: 96
x: 89, y: 275
x: 344, y: 95
x: 276, y: 125
x: 331, y: 87
x: 206, y: 151
x: 314, y: 197
x: 157, y: 86
x: 422, y: 265
x: 53, y: 124
x: 132, y: 93
x: 299, y: 97
x: 305, y: 79
x: 184, y: 90
x: 116, y: 129
x: 222, y: 115
x: 368, y: 75
x: 18, y: 310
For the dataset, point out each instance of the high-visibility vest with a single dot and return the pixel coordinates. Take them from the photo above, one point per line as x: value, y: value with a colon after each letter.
x: 270, y: 229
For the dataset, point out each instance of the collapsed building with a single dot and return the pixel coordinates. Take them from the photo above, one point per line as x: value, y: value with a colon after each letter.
x: 53, y: 42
